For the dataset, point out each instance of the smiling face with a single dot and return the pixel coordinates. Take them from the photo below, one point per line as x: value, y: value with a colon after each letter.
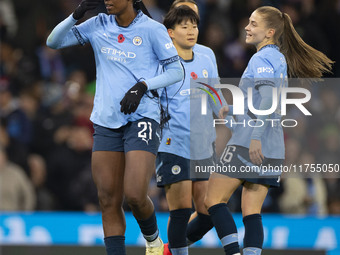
x: 257, y: 32
x: 117, y: 7
x: 184, y: 35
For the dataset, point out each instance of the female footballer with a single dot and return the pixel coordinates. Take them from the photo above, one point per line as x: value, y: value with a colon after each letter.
x: 125, y: 114
x: 200, y: 222
x: 183, y: 145
x: 279, y: 48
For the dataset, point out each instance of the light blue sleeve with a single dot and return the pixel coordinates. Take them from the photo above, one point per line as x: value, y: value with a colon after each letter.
x: 216, y: 107
x: 230, y: 122
x: 263, y: 71
x: 213, y: 81
x: 173, y: 73
x: 162, y: 44
x: 266, y: 93
x: 84, y: 31
x: 62, y: 35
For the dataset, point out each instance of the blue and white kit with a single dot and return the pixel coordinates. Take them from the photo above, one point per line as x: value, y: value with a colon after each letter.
x: 123, y: 55
x: 265, y: 70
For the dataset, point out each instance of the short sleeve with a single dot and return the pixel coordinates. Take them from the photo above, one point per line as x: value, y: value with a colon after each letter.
x: 263, y: 71
x: 162, y: 45
x: 84, y: 30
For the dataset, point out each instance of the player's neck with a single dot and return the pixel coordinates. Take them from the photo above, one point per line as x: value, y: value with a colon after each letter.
x: 263, y: 43
x: 185, y: 54
x: 125, y: 19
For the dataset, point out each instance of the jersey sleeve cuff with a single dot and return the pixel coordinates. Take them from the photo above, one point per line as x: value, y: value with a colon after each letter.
x: 260, y: 83
x: 169, y: 60
x: 78, y: 36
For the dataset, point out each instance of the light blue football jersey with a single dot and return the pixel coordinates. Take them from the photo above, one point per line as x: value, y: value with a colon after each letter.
x: 190, y: 134
x: 199, y: 48
x: 124, y: 55
x: 266, y: 67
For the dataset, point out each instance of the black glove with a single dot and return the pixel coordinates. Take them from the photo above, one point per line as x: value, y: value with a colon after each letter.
x: 132, y: 98
x: 84, y: 6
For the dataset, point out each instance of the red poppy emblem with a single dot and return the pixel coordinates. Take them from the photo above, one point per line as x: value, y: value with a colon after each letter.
x: 194, y: 75
x: 121, y: 38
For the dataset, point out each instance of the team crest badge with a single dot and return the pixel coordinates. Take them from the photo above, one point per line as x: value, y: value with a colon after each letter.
x: 176, y: 169
x: 137, y: 40
x: 205, y: 73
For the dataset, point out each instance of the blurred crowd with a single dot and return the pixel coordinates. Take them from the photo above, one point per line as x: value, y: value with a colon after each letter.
x: 46, y: 101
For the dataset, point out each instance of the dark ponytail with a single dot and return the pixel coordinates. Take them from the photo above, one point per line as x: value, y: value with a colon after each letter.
x: 139, y: 5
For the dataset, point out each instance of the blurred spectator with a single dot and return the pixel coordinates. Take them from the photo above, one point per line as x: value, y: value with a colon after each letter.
x: 38, y: 173
x: 17, y: 68
x: 216, y: 39
x: 51, y: 64
x: 304, y: 192
x: 329, y: 149
x: 17, y: 124
x: 15, y: 151
x: 66, y: 163
x: 8, y: 19
x: 85, y: 191
x: 237, y: 53
x: 54, y: 114
x: 334, y: 205
x: 16, y: 190
x: 303, y: 195
x: 305, y: 24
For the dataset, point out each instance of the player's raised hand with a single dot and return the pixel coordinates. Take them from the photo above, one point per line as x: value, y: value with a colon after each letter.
x: 84, y: 6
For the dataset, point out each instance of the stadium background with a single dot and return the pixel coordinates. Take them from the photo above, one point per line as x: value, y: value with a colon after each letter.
x: 46, y: 99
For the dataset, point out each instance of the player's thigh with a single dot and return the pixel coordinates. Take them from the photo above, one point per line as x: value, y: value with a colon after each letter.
x: 139, y: 168
x: 140, y: 146
x: 178, y: 195
x: 253, y: 196
x: 220, y: 189
x: 108, y: 172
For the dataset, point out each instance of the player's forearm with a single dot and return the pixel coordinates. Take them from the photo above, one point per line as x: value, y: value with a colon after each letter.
x: 173, y: 73
x: 62, y: 35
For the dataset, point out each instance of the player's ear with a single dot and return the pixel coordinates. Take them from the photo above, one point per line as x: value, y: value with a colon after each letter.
x: 171, y: 33
x: 270, y: 33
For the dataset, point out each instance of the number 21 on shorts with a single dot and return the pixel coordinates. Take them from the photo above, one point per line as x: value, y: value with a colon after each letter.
x: 146, y: 132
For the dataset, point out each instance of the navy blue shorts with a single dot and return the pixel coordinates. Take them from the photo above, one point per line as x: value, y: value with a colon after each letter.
x: 235, y: 163
x: 171, y: 168
x: 137, y: 135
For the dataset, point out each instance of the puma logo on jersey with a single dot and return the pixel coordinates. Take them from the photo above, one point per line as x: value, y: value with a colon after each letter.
x: 146, y: 140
